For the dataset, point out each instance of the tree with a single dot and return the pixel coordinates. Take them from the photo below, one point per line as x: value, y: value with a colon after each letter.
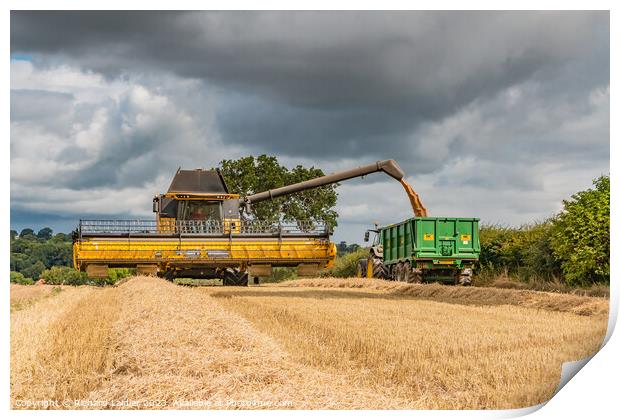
x: 26, y: 232
x: 580, y: 236
x: 61, y: 237
x: 13, y: 234
x: 343, y: 248
x: 45, y: 234
x: 31, y: 254
x: 19, y: 261
x: 249, y: 175
x: 34, y: 271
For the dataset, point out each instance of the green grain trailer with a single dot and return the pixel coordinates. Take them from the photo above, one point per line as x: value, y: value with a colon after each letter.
x: 424, y: 248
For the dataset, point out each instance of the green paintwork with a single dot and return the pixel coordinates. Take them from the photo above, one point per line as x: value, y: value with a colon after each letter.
x: 430, y: 241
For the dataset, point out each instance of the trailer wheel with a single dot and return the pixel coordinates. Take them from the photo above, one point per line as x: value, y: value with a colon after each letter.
x: 406, y: 272
x: 416, y: 275
x: 398, y: 272
x: 362, y: 266
x: 464, y: 276
x: 410, y: 274
x: 394, y: 272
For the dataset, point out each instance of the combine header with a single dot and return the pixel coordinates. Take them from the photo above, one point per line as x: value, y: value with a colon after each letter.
x: 199, y: 232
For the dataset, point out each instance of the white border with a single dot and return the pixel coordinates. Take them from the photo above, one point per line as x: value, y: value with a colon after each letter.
x: 593, y: 393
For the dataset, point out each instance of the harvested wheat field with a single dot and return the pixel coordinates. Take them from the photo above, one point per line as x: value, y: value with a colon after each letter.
x: 321, y: 343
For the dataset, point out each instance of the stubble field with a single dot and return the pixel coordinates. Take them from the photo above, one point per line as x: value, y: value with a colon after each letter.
x: 318, y: 343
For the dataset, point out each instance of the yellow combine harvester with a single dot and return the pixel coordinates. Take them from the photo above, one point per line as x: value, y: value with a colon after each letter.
x: 199, y: 233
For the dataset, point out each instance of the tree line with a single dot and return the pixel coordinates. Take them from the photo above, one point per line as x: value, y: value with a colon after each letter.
x: 43, y: 255
x: 32, y: 253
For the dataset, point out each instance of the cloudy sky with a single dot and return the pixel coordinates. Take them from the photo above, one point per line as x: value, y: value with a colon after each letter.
x: 491, y: 115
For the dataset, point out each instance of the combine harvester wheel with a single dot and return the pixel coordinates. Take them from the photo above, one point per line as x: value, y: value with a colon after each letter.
x: 234, y: 277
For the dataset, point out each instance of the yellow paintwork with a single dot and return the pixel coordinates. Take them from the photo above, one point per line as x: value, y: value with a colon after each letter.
x: 232, y: 250
x: 205, y: 197
x: 207, y: 252
x: 232, y: 224
x: 166, y: 224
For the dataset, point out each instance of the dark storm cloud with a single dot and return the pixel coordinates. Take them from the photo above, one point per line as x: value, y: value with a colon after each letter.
x: 322, y: 59
x: 494, y: 102
x: 355, y: 81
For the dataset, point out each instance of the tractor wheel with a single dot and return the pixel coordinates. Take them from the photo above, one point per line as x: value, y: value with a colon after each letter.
x: 379, y: 270
x: 234, y: 277
x: 464, y: 276
x: 362, y: 268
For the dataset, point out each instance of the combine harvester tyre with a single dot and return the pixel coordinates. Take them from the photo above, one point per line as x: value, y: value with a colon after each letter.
x: 234, y: 277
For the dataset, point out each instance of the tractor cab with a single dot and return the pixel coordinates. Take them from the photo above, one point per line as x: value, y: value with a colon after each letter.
x: 376, y: 237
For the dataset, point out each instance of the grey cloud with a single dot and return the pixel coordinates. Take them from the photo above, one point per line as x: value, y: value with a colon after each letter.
x: 40, y: 107
x: 493, y: 101
x: 37, y: 104
x: 332, y: 61
x: 321, y: 58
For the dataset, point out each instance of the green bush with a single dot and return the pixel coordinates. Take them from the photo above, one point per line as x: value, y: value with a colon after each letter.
x: 64, y: 275
x: 522, y: 252
x: 280, y: 274
x: 572, y: 247
x: 346, y: 266
x: 20, y: 279
x: 114, y: 275
x: 580, y: 237
x: 69, y: 276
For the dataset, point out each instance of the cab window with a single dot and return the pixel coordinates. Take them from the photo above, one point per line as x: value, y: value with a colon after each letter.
x: 200, y: 210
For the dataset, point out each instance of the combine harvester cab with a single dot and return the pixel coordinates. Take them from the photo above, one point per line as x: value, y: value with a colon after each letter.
x: 425, y: 249
x: 199, y: 233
